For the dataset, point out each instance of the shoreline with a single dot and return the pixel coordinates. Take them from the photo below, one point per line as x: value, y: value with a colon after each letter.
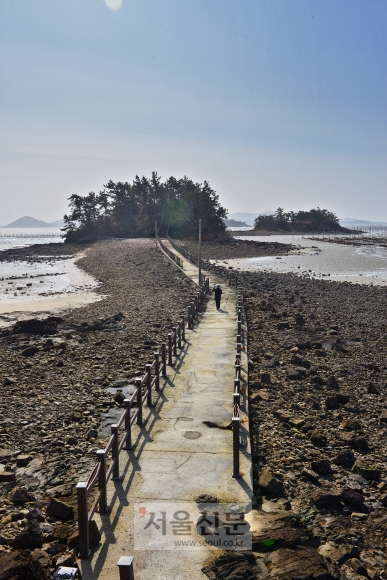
x: 59, y: 401
x: 39, y: 286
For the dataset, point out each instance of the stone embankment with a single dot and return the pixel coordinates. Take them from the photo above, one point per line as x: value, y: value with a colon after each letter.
x: 61, y: 388
x: 318, y: 417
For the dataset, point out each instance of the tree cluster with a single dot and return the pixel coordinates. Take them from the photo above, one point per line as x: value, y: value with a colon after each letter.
x: 314, y: 219
x: 131, y: 210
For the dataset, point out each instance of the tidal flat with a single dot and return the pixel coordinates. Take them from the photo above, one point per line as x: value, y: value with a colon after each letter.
x: 318, y: 423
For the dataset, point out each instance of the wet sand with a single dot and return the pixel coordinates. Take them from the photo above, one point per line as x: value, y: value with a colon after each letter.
x: 319, y: 260
x: 44, y: 285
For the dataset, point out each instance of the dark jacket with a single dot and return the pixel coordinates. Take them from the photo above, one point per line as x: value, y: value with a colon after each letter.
x: 218, y: 293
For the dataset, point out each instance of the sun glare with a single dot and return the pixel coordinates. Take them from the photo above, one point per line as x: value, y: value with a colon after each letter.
x: 113, y: 4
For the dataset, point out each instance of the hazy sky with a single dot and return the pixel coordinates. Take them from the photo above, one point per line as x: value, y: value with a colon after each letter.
x: 274, y: 102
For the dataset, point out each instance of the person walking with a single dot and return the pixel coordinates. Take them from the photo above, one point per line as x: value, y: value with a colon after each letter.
x: 218, y: 295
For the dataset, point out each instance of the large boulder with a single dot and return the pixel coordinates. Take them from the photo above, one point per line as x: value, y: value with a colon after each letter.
x: 59, y: 509
x: 269, y: 483
x: 365, y: 469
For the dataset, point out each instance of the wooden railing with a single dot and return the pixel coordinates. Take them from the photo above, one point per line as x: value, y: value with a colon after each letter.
x: 121, y: 432
x: 170, y: 254
x: 237, y: 389
x: 193, y: 258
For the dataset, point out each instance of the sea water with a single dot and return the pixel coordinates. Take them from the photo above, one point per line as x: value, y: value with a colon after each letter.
x: 317, y: 259
x: 18, y: 237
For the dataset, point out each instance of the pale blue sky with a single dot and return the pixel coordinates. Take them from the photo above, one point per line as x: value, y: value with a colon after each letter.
x: 275, y: 102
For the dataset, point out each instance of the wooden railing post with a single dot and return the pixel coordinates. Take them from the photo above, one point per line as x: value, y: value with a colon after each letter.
x: 102, y: 506
x: 174, y: 343
x: 148, y: 370
x: 237, y: 385
x: 235, y: 442
x: 83, y: 520
x: 138, y: 383
x: 125, y: 566
x: 189, y: 317
x: 164, y: 358
x: 128, y: 425
x: 178, y: 328
x: 240, y: 327
x: 115, y: 452
x: 183, y: 328
x: 157, y: 370
x: 170, y: 348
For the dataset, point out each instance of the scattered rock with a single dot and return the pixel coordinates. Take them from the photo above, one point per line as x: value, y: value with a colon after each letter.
x: 351, y: 424
x: 30, y: 350
x: 326, y: 499
x: 19, y: 495
x: 7, y: 476
x: 322, y: 467
x: 9, y: 381
x: 352, y: 497
x: 373, y: 389
x: 269, y: 483
x: 318, y: 438
x: 367, y: 470
x: 23, y: 460
x: 338, y: 554
x: 345, y: 457
x: 59, y: 509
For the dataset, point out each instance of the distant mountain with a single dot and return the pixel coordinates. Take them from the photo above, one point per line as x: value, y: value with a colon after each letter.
x: 249, y: 218
x: 354, y: 222
x: 30, y: 222
x: 57, y: 224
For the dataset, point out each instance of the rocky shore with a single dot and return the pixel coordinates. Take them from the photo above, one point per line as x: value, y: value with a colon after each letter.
x: 61, y: 380
x: 318, y: 420
x: 230, y: 248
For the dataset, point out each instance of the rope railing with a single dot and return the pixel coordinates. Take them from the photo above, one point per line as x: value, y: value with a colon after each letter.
x: 121, y: 432
x: 237, y: 384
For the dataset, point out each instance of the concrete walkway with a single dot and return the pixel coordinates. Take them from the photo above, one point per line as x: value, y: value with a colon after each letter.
x: 176, y: 456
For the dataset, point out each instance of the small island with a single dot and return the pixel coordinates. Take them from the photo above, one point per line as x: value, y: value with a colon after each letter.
x: 312, y: 221
x: 230, y: 223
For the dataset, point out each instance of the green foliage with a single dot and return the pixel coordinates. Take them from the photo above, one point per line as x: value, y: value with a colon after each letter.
x: 314, y: 219
x: 131, y: 210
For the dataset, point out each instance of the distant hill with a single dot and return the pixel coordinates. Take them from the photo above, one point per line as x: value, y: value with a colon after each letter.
x: 249, y: 218
x: 30, y: 222
x: 347, y: 222
x: 57, y: 224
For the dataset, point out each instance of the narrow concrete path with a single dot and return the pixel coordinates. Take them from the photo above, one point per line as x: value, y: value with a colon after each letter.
x: 176, y: 456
